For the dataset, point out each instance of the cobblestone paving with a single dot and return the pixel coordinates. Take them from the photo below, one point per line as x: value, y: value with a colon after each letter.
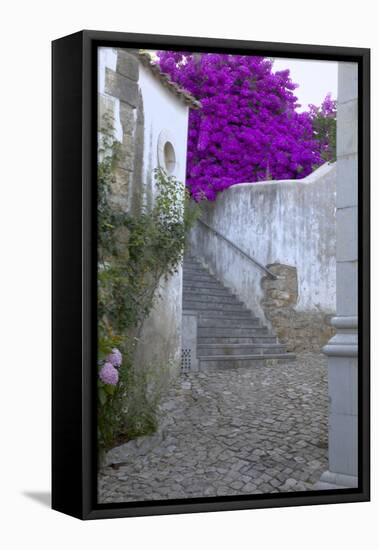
x: 234, y: 431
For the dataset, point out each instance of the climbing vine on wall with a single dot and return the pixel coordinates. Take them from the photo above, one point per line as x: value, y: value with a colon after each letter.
x: 134, y: 253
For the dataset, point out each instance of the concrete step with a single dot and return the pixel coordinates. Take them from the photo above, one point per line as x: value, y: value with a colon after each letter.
x: 242, y: 360
x: 218, y: 305
x: 209, y: 287
x: 227, y: 340
x: 198, y: 277
x: 208, y: 350
x: 202, y: 283
x: 194, y: 269
x: 188, y: 263
x: 212, y: 291
x: 228, y: 334
x: 218, y: 313
x: 253, y: 361
x: 209, y: 322
x: 231, y: 332
x: 208, y: 298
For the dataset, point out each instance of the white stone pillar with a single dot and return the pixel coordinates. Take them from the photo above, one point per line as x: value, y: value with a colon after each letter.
x: 342, y: 349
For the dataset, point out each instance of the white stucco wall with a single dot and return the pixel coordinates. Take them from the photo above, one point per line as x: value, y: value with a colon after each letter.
x: 290, y: 222
x: 163, y: 112
x: 166, y: 115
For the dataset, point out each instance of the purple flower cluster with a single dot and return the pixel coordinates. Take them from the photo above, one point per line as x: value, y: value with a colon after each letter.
x: 115, y: 358
x: 328, y: 108
x: 108, y: 374
x: 324, y: 120
x: 248, y: 128
x: 109, y: 371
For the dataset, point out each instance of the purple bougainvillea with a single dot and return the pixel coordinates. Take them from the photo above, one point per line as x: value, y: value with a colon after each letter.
x: 248, y: 128
x: 324, y: 122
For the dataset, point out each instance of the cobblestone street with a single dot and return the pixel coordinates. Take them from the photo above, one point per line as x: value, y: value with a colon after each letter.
x: 253, y: 430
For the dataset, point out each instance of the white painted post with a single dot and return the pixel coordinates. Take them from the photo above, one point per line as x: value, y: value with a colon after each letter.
x: 342, y: 349
x: 189, y: 338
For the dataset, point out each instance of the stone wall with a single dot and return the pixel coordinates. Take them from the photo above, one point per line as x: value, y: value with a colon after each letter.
x: 120, y: 99
x: 141, y: 108
x: 284, y: 223
x: 298, y: 330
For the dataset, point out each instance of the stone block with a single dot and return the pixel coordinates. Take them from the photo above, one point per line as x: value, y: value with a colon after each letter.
x: 121, y: 87
x: 347, y: 181
x: 127, y: 64
x: 126, y: 153
x: 121, y: 188
x: 343, y: 385
x: 347, y: 81
x: 347, y: 128
x: 279, y: 294
x: 271, y: 284
x: 347, y: 234
x: 105, y: 107
x: 347, y: 288
x: 343, y: 444
x: 127, y: 118
x: 126, y: 161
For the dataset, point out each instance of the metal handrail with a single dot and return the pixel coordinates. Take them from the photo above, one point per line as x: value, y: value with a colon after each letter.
x: 253, y: 260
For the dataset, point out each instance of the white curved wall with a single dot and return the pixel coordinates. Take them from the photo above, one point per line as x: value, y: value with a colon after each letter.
x: 290, y: 222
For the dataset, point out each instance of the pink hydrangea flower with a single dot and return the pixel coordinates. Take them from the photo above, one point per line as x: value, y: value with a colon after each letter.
x: 108, y: 374
x: 115, y: 358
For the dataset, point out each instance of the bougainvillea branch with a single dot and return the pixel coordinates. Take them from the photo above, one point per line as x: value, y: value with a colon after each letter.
x: 324, y: 122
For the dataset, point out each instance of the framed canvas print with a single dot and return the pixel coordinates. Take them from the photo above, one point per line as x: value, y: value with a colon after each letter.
x: 210, y: 274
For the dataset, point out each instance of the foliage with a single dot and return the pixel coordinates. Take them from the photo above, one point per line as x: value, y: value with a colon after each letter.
x: 134, y: 253
x: 248, y: 128
x: 324, y: 121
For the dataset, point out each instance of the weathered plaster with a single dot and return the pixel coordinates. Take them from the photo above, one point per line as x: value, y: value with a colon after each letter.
x: 142, y: 108
x: 288, y: 222
x: 161, y: 337
x: 163, y: 112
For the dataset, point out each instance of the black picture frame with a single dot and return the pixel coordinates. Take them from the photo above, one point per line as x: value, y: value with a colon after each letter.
x: 74, y: 274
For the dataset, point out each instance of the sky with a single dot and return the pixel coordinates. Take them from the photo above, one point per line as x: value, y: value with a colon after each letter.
x: 315, y: 79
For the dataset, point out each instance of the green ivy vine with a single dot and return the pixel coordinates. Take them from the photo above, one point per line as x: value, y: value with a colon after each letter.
x: 134, y: 253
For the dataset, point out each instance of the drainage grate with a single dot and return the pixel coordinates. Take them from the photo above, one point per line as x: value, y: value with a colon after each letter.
x: 186, y: 359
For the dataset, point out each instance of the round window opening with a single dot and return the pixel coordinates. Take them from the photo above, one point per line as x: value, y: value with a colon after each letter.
x: 169, y: 157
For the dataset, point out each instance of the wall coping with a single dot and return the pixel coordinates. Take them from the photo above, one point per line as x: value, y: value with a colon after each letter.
x: 323, y: 170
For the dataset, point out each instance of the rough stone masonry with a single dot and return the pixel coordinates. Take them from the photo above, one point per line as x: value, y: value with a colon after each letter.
x: 298, y: 330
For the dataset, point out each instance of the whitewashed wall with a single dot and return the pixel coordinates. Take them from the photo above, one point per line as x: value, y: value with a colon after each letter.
x: 134, y: 96
x: 289, y: 222
x: 163, y: 112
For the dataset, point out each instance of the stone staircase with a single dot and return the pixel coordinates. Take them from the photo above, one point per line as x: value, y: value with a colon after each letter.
x: 228, y: 335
